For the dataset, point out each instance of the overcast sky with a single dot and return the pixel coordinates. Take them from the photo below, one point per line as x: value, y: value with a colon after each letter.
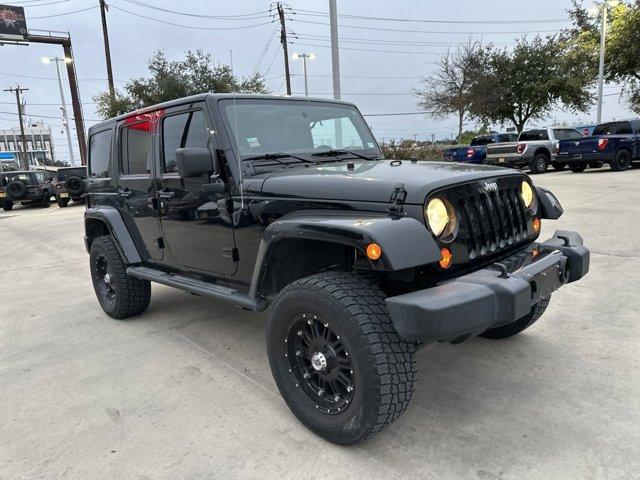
x: 404, y: 51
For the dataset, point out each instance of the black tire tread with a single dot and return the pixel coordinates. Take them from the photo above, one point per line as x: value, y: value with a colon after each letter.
x: 394, y: 358
x: 135, y: 296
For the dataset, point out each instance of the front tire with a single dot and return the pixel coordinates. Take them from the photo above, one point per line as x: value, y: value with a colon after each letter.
x: 120, y: 295
x: 7, y: 206
x: 539, y: 164
x: 46, y: 201
x: 511, y: 329
x: 622, y: 161
x: 337, y: 360
x: 577, y: 167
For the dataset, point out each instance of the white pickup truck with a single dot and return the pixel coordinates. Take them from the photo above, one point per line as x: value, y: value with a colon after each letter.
x: 536, y: 149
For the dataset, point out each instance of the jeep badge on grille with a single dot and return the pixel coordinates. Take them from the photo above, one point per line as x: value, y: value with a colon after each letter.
x: 489, y: 186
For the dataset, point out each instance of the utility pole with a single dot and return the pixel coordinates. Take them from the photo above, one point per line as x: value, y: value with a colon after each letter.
x: 23, y: 140
x: 65, y: 118
x: 107, y: 51
x: 335, y: 55
x: 283, y: 41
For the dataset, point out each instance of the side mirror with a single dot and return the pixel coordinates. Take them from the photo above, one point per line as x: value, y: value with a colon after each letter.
x: 194, y: 162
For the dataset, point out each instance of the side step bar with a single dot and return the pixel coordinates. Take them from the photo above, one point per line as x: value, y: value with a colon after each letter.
x: 199, y: 287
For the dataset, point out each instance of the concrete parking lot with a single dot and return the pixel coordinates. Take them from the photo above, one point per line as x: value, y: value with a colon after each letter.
x: 185, y: 390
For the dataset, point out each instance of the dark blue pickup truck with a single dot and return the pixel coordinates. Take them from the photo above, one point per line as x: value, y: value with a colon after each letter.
x: 615, y: 143
x: 476, y: 152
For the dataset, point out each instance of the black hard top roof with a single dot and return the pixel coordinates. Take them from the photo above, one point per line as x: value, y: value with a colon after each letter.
x: 214, y: 96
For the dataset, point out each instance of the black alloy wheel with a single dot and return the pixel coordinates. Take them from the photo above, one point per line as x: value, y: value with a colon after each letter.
x: 622, y: 161
x: 104, y: 279
x: 320, y: 363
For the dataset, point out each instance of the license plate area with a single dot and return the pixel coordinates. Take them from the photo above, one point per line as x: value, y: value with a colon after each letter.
x: 547, y: 281
x: 64, y: 195
x: 502, y: 160
x: 577, y: 156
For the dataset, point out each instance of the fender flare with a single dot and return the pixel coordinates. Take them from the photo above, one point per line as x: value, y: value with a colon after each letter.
x: 405, y: 242
x: 111, y: 217
x: 550, y: 207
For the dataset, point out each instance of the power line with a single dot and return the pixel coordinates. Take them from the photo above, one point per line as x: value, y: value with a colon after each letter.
x: 265, y: 49
x: 192, y: 27
x: 392, y: 114
x: 418, y: 20
x: 241, y: 16
x: 374, y: 41
x: 35, y: 77
x: 369, y: 49
x: 41, y: 4
x: 402, y: 30
x: 63, y: 14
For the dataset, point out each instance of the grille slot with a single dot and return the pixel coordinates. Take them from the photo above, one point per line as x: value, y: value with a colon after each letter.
x: 490, y: 221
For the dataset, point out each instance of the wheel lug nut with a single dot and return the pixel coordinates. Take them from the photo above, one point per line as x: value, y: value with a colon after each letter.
x: 298, y: 353
x: 337, y: 398
x: 306, y: 376
x: 299, y: 333
x: 326, y: 325
x: 321, y: 392
x: 349, y: 388
x: 309, y: 322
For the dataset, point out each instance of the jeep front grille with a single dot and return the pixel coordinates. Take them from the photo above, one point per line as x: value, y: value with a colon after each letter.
x: 491, y: 221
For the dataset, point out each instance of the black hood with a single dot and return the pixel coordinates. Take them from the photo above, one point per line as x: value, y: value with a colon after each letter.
x: 370, y: 181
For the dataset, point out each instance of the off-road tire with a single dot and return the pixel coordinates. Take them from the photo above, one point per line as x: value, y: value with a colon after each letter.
x: 131, y: 295
x: 622, y: 161
x: 596, y: 164
x: 74, y: 185
x: 7, y: 206
x: 539, y: 164
x: 46, y: 200
x: 16, y: 189
x: 559, y: 166
x: 577, y: 167
x: 62, y: 202
x: 511, y: 329
x: 383, y: 363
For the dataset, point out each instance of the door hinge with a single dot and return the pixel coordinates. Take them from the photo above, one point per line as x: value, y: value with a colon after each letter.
x: 159, y: 243
x: 398, y: 197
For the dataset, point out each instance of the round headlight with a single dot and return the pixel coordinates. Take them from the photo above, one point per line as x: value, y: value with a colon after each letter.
x: 440, y: 216
x: 527, y: 193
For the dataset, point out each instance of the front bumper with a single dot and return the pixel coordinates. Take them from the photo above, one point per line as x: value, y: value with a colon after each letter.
x: 497, y: 295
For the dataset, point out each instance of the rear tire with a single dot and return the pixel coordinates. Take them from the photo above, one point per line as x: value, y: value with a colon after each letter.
x: 46, y: 200
x: 539, y: 164
x: 337, y: 360
x: 559, y: 166
x: 596, y: 164
x: 7, y: 206
x: 622, y: 161
x: 511, y: 329
x: 62, y: 202
x: 577, y: 167
x: 120, y: 295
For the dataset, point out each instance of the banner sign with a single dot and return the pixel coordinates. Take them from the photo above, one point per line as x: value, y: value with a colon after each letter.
x: 13, y: 25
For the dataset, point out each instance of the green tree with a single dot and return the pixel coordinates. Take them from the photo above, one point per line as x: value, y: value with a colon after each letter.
x: 622, y: 60
x: 171, y: 79
x: 448, y: 90
x: 527, y: 82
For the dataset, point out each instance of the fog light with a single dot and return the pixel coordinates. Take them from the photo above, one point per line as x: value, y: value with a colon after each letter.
x: 447, y: 258
x: 536, y: 224
x: 374, y: 251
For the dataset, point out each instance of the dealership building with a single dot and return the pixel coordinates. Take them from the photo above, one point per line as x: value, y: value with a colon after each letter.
x: 38, y: 143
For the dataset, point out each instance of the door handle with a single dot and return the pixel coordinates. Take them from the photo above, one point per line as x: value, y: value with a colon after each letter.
x: 124, y: 193
x: 166, y: 194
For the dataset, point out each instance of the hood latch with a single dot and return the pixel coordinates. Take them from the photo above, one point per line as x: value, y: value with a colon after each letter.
x: 397, y: 198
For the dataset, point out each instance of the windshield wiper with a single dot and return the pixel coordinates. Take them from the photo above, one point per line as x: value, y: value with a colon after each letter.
x: 341, y: 151
x: 277, y: 157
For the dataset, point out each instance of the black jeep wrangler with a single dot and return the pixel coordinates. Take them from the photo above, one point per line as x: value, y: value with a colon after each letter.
x: 70, y: 185
x: 26, y: 188
x: 288, y: 204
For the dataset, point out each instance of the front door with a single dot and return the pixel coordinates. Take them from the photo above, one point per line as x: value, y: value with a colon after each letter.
x: 197, y: 229
x: 136, y: 184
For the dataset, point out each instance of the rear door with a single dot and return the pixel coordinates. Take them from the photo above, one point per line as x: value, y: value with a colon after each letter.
x: 136, y: 181
x: 198, y: 230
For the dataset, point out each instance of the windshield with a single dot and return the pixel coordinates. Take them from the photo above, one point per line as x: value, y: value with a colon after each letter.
x: 266, y: 126
x: 615, y: 128
x: 65, y: 173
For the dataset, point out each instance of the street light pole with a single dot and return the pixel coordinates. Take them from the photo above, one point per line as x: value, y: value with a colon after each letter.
x: 304, y: 57
x: 64, y: 104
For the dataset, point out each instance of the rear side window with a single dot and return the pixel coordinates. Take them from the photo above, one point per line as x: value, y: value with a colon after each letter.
x: 507, y: 137
x: 532, y: 135
x: 613, y: 128
x: 135, y: 147
x: 483, y: 140
x: 185, y: 130
x: 99, y: 154
x: 571, y: 134
x: 560, y: 134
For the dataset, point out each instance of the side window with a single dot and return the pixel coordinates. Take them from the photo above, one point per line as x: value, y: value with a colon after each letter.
x: 559, y: 134
x: 99, y: 154
x: 39, y: 177
x: 135, y: 147
x: 571, y: 134
x: 185, y: 130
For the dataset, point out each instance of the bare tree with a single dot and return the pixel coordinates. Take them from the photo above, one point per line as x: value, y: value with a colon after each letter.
x: 447, y: 91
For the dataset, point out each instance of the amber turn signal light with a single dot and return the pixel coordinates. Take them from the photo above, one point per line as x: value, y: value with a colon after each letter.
x: 536, y: 224
x: 374, y: 251
x: 447, y: 258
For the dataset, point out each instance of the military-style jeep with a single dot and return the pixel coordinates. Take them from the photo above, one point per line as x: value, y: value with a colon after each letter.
x: 288, y: 204
x: 26, y: 188
x: 70, y: 185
